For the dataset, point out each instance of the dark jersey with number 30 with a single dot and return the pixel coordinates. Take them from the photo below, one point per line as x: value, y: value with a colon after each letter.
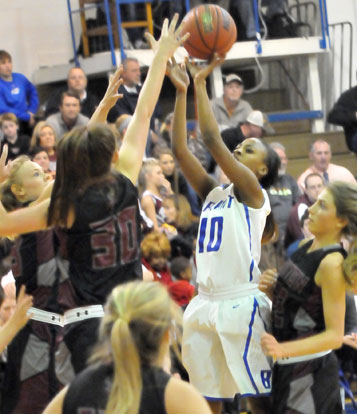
x: 103, y: 245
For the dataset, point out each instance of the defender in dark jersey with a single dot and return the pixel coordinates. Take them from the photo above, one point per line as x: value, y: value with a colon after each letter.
x: 95, y: 205
x: 30, y: 368
x: 126, y: 374
x: 309, y: 306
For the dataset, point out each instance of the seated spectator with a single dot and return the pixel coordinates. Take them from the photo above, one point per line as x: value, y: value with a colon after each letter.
x: 155, y: 188
x: 156, y: 250
x: 229, y: 109
x: 45, y: 136
x: 176, y: 179
x: 283, y: 195
x: 181, y: 289
x: 17, y: 94
x: 17, y: 144
x: 320, y: 155
x: 130, y: 89
x: 164, y: 137
x: 40, y: 155
x: 255, y: 126
x: 179, y: 216
x: 314, y: 184
x: 280, y: 24
x: 77, y: 84
x: 69, y: 115
x: 306, y: 234
x: 344, y: 113
x: 121, y: 125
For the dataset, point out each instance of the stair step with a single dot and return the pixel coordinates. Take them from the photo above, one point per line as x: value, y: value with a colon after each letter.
x: 298, y: 145
x: 291, y: 127
x: 298, y: 166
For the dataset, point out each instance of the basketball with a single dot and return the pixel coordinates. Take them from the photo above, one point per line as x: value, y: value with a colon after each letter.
x: 212, y: 29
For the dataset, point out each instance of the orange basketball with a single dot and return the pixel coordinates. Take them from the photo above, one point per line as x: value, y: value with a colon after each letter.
x: 212, y: 29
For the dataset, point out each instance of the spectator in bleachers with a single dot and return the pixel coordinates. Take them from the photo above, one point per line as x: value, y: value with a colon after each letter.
x: 77, y: 83
x: 121, y: 125
x: 154, y: 188
x: 130, y: 89
x: 313, y: 185
x: 17, y: 94
x: 156, y: 250
x: 280, y: 24
x: 177, y: 180
x: 69, y: 115
x: 40, y: 155
x: 229, y: 109
x: 178, y: 216
x: 181, y: 289
x: 164, y: 137
x: 255, y: 126
x: 320, y: 155
x: 45, y: 136
x: 283, y: 195
x: 344, y: 113
x: 17, y: 144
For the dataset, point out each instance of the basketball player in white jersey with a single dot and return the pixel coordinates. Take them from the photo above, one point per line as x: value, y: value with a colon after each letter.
x: 224, y: 322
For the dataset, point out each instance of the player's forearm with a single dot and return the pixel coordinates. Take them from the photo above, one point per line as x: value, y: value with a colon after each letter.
x: 316, y: 343
x: 179, y: 129
x: 100, y: 114
x: 207, y: 121
x: 7, y: 334
x: 151, y: 89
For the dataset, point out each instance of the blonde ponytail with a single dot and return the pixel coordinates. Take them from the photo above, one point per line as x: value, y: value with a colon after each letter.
x: 125, y: 393
x: 138, y: 314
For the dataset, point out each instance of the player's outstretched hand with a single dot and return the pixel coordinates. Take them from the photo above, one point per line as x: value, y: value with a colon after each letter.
x: 23, y: 304
x: 170, y: 38
x: 178, y: 74
x: 111, y: 94
x: 267, y: 282
x: 5, y: 167
x: 271, y: 346
x: 199, y: 72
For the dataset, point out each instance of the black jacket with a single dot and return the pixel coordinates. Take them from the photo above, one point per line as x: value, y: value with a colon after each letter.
x: 344, y: 113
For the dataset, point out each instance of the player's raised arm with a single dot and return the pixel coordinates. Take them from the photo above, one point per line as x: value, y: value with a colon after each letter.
x: 245, y: 181
x: 24, y: 220
x: 109, y: 99
x: 133, y: 148
x: 190, y: 165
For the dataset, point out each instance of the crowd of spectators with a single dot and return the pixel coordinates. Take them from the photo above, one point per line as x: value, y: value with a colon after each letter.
x: 170, y: 208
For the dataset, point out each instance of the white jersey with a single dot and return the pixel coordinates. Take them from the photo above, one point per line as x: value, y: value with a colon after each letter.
x: 229, y: 241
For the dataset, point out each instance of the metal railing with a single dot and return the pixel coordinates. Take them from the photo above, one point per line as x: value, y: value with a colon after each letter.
x: 339, y: 63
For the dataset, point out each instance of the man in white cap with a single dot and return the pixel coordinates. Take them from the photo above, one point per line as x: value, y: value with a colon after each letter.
x: 230, y: 109
x: 255, y: 126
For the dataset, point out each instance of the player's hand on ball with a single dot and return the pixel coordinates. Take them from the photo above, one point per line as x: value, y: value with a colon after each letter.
x: 170, y: 38
x: 201, y: 72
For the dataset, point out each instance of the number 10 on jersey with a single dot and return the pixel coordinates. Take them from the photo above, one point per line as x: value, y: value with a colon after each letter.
x: 210, y: 235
